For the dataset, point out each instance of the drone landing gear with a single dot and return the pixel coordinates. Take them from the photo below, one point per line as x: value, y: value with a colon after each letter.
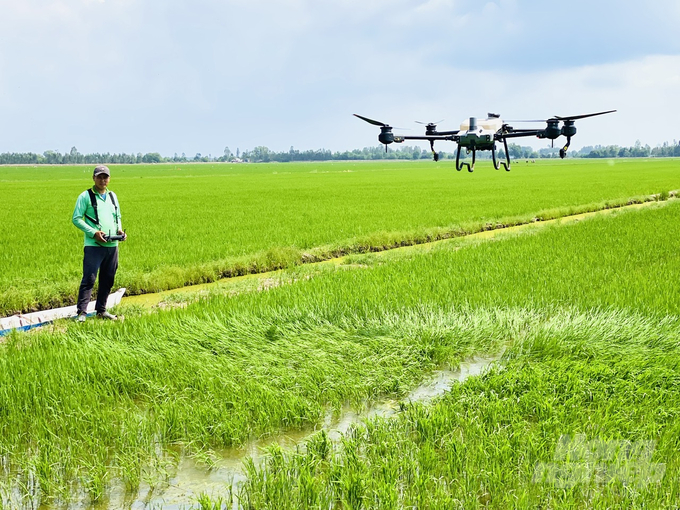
x: 496, y: 163
x: 460, y: 166
x: 563, y: 150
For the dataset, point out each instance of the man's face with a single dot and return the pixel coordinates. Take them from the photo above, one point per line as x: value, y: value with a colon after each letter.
x: 101, y: 181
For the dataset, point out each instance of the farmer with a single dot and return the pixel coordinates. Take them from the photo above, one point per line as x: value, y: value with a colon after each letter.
x: 97, y: 214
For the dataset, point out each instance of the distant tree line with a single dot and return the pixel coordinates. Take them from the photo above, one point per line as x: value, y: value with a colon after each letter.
x: 262, y: 154
x: 637, y: 151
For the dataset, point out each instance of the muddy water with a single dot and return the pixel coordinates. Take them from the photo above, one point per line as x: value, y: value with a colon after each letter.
x: 191, y: 479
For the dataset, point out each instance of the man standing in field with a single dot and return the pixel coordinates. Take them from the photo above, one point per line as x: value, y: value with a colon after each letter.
x: 97, y: 214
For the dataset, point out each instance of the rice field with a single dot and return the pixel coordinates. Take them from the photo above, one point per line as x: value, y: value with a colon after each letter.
x: 586, y: 315
x: 195, y: 223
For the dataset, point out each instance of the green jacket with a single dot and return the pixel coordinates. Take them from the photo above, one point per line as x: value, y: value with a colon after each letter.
x: 109, y: 218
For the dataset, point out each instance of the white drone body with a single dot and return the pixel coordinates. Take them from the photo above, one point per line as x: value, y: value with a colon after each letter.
x: 480, y: 135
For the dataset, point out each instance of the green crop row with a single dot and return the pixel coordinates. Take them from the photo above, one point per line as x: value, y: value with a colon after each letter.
x: 196, y: 223
x: 98, y: 401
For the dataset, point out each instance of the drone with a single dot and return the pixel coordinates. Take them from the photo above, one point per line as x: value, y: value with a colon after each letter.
x: 482, y: 135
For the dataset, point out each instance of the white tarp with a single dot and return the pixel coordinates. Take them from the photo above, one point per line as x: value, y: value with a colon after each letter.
x: 34, y: 319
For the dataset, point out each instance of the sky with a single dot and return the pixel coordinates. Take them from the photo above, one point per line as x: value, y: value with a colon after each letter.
x: 197, y: 76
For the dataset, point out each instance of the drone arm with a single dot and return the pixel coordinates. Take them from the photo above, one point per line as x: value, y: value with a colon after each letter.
x: 519, y: 133
x: 433, y: 138
x: 447, y: 133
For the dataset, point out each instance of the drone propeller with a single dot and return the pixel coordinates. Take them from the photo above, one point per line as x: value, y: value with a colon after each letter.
x: 371, y: 121
x: 382, y: 125
x: 519, y: 120
x: 576, y: 117
x: 430, y: 127
x: 430, y: 123
x: 572, y: 117
x: 386, y: 136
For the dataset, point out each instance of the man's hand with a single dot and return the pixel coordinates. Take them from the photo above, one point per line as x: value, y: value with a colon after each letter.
x: 99, y: 236
x: 121, y: 233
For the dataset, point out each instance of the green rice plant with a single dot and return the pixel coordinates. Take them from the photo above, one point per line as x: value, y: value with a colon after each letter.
x: 193, y: 224
x: 626, y: 261
x: 207, y: 502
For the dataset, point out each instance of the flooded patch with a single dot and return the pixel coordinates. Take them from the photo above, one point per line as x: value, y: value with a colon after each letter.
x: 191, y: 479
x: 183, y: 477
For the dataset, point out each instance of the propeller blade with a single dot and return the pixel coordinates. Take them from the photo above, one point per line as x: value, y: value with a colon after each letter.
x: 427, y: 123
x: 371, y: 121
x: 576, y: 117
x: 557, y: 117
x: 515, y: 120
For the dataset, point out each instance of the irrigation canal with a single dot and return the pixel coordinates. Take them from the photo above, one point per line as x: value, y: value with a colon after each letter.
x: 266, y: 279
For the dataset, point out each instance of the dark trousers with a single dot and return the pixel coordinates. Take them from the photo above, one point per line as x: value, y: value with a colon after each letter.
x: 100, y: 259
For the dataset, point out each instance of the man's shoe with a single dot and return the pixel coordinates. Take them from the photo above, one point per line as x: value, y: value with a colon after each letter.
x: 107, y: 316
x: 82, y: 316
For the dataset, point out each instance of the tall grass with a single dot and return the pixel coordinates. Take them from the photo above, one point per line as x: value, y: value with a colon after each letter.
x: 195, y: 223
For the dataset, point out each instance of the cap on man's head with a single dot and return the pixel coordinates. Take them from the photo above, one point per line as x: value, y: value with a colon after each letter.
x: 101, y: 169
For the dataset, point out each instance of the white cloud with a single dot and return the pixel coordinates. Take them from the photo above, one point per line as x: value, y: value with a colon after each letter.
x: 176, y: 76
